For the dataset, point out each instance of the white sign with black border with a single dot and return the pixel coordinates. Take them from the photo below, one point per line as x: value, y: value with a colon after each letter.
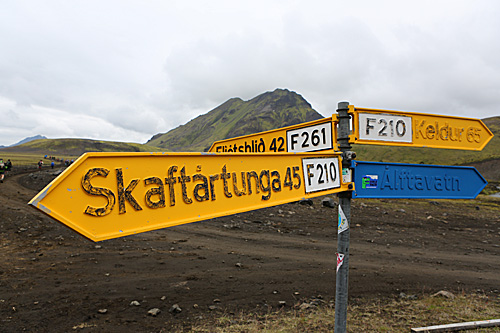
x: 321, y: 173
x: 311, y: 138
x: 385, y: 127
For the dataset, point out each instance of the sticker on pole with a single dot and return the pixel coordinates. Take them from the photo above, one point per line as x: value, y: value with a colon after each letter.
x: 343, y: 223
x: 346, y: 175
x: 340, y: 260
x: 321, y: 173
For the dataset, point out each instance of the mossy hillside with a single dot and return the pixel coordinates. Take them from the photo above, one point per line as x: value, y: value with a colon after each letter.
x: 236, y: 117
x: 267, y: 111
x: 75, y: 147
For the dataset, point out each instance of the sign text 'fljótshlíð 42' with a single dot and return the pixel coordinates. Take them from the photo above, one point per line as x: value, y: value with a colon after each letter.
x: 316, y: 135
x: 383, y: 127
x: 109, y: 195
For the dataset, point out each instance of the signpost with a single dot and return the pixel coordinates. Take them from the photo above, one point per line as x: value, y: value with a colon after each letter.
x: 416, y: 181
x: 316, y: 135
x: 344, y: 222
x: 397, y: 180
x: 109, y: 195
x: 395, y: 128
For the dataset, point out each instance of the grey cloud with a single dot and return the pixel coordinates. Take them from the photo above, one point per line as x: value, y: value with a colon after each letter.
x: 126, y: 71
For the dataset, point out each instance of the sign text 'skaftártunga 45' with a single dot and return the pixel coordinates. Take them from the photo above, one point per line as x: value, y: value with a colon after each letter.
x: 109, y: 195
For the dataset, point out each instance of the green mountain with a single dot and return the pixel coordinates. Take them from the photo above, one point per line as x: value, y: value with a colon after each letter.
x: 270, y: 110
x: 236, y: 117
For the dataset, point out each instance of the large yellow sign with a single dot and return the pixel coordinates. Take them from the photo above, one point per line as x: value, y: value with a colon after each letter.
x: 109, y: 195
x: 383, y: 127
x: 316, y: 135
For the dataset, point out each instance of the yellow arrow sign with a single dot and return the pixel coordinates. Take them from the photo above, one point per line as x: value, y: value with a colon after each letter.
x: 109, y: 195
x: 383, y: 127
x: 316, y: 135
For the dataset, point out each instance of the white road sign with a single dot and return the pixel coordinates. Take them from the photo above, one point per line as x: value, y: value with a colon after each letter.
x: 312, y: 138
x: 321, y: 173
x: 385, y: 127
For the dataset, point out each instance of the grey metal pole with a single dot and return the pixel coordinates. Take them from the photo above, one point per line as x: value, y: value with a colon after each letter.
x: 344, y: 222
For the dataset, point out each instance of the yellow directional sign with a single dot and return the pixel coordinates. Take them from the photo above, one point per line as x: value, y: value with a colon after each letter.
x: 109, y: 195
x: 316, y: 135
x: 383, y: 127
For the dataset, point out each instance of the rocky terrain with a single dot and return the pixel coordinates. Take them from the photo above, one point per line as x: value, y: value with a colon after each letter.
x: 54, y: 280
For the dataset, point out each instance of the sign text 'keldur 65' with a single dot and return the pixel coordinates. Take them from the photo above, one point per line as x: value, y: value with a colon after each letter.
x: 414, y: 129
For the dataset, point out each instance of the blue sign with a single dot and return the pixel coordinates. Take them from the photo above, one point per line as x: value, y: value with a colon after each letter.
x: 415, y: 181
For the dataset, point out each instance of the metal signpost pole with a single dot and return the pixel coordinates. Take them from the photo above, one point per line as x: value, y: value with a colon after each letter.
x: 344, y: 220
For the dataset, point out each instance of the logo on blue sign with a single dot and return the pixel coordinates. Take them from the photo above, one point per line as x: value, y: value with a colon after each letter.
x: 369, y: 181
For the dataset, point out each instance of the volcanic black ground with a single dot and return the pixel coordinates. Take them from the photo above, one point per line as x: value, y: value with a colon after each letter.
x: 54, y: 280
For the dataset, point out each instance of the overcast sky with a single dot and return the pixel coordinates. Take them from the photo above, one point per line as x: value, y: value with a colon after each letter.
x: 126, y: 70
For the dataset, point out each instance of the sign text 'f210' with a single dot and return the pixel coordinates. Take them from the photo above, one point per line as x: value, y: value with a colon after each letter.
x: 417, y: 181
x: 418, y: 129
x: 109, y: 195
x: 317, y: 135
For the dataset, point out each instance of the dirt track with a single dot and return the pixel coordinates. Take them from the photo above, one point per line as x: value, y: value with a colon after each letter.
x: 54, y: 280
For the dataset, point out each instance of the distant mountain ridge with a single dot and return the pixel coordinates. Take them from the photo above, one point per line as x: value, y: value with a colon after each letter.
x: 270, y: 110
x: 25, y: 140
x: 236, y: 117
x: 75, y: 147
